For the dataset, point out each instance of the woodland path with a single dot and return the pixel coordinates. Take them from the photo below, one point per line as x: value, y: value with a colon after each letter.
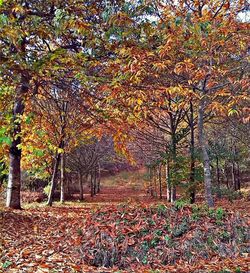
x: 44, y: 239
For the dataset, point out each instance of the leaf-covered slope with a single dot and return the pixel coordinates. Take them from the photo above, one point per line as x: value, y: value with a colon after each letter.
x: 130, y: 238
x: 159, y: 236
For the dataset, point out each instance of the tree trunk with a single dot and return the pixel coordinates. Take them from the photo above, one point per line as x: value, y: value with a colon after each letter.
x: 192, y: 156
x: 174, y: 154
x: 69, y: 181
x: 62, y: 146
x: 233, y: 176
x: 91, y: 184
x: 150, y: 190
x: 173, y: 194
x: 14, y: 180
x: 218, y: 177
x: 80, y: 186
x: 160, y: 182
x: 95, y: 180
x: 238, y: 176
x: 155, y: 181
x: 206, y: 161
x: 227, y: 176
x: 168, y: 181
x: 66, y: 184
x: 235, y: 169
x: 54, y: 180
x: 174, y: 181
x: 99, y: 179
x: 62, y: 196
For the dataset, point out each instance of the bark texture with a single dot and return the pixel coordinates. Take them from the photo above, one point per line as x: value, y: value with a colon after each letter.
x: 80, y: 176
x: 192, y: 155
x: 62, y: 196
x: 54, y: 180
x: 15, y: 153
x: 206, y: 161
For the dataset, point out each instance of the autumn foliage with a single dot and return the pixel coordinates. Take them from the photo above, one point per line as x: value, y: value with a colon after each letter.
x: 155, y: 91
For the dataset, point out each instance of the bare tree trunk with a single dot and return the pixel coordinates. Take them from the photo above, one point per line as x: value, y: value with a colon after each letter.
x: 206, y: 161
x: 99, y: 179
x: 227, y: 178
x: 62, y: 146
x: 80, y: 186
x: 91, y: 184
x: 66, y: 184
x: 174, y: 154
x: 192, y: 156
x: 14, y: 180
x: 233, y: 176
x: 151, y: 177
x: 69, y: 181
x: 218, y: 177
x: 168, y: 181
x: 173, y: 186
x: 155, y: 181
x: 54, y: 180
x: 173, y: 194
x: 235, y: 169
x: 95, y: 181
x: 238, y: 176
x: 62, y: 196
x: 160, y: 182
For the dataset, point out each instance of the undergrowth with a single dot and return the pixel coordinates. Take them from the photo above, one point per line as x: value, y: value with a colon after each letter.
x: 158, y: 235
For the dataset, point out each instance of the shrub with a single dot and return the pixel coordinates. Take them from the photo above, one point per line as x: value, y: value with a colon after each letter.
x: 229, y: 194
x: 46, y: 189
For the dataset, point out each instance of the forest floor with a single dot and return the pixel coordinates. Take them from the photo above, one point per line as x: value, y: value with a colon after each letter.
x: 125, y: 230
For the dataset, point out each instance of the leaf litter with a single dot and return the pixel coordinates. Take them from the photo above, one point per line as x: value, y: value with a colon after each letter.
x: 125, y: 238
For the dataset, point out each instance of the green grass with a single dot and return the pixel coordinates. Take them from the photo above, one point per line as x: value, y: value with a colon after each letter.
x: 133, y: 179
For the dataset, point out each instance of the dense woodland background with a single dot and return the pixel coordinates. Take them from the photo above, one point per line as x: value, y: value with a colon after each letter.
x: 142, y: 102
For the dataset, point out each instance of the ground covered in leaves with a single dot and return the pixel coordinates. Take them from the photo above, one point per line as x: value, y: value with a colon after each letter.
x: 126, y: 237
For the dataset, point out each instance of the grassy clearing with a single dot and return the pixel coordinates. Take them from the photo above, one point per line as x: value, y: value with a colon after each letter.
x: 133, y: 179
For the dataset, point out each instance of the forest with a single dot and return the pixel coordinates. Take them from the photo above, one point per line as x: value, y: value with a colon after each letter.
x: 124, y: 136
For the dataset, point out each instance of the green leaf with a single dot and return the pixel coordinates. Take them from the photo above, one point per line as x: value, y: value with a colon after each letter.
x: 39, y: 153
x: 6, y: 140
x: 40, y: 133
x: 178, y: 21
x: 1, y: 3
x: 150, y: 9
x: 106, y: 15
x: 3, y: 18
x: 28, y: 120
x: 7, y: 263
x: 2, y: 131
x: 232, y: 112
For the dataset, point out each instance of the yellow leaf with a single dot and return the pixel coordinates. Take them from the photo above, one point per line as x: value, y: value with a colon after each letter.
x: 139, y: 102
x: 60, y: 150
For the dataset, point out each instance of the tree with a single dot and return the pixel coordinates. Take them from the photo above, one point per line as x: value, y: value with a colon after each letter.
x: 87, y: 159
x: 37, y: 39
x: 192, y: 45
